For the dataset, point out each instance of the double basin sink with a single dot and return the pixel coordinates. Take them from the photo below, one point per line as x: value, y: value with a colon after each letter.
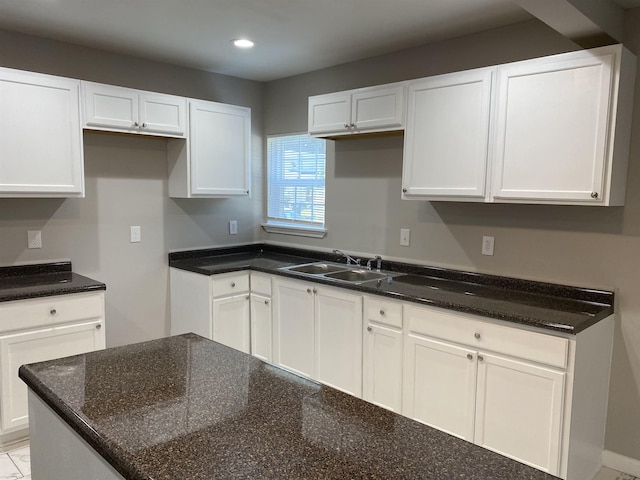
x: 353, y: 274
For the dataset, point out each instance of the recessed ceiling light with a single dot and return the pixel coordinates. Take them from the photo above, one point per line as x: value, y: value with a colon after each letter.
x: 243, y: 43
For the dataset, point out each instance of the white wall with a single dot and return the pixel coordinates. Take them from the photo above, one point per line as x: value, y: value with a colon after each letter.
x: 585, y: 246
x: 126, y: 184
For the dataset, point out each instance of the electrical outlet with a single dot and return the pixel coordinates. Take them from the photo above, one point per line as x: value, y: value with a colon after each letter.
x: 34, y: 239
x: 233, y: 227
x: 136, y: 234
x: 487, y: 245
x: 405, y: 237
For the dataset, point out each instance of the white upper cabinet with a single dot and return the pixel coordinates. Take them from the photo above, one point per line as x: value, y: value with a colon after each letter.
x: 111, y: 108
x: 447, y: 136
x: 558, y: 122
x: 41, y: 151
x: 552, y: 130
x: 365, y: 110
x: 215, y: 161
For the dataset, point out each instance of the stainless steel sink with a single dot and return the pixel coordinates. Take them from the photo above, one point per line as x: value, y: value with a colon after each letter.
x: 317, y: 268
x: 356, y: 276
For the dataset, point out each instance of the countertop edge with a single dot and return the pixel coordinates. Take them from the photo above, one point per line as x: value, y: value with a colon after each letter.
x: 70, y: 418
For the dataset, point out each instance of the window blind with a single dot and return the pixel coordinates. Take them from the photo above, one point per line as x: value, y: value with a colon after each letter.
x: 296, y: 180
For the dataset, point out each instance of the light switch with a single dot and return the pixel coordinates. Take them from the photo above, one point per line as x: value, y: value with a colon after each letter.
x: 233, y: 227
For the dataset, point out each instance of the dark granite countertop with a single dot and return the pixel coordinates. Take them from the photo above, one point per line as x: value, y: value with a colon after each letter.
x: 43, y: 280
x: 538, y: 304
x: 186, y: 407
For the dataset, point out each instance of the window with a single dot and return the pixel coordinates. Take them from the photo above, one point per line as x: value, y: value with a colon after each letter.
x: 295, y: 190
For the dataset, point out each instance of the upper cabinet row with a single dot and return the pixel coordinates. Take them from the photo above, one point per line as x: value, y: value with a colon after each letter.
x: 551, y: 130
x: 41, y: 144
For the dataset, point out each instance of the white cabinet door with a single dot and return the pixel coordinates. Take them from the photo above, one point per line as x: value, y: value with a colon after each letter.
x: 439, y: 385
x: 519, y: 411
x: 293, y: 326
x: 338, y: 337
x: 111, y: 107
x: 378, y: 108
x: 382, y: 367
x: 330, y: 114
x: 552, y: 129
x: 447, y: 136
x: 261, y: 327
x: 161, y: 113
x: 37, y: 346
x: 220, y: 149
x: 231, y: 322
x: 41, y: 152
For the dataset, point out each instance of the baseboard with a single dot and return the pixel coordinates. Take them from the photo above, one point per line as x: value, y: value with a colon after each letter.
x: 621, y: 463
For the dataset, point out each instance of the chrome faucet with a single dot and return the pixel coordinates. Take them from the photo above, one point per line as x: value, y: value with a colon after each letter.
x: 356, y: 261
x: 378, y: 260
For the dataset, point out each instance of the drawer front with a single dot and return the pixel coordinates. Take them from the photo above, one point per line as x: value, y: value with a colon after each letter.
x: 383, y: 312
x: 224, y: 285
x: 48, y: 311
x: 261, y: 284
x: 484, y: 335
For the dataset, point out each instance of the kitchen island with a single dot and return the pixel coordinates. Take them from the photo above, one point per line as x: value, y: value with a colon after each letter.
x: 185, y: 407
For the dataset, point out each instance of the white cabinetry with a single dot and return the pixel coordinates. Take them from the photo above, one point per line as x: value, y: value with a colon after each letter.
x: 261, y: 318
x: 447, y: 136
x: 559, y: 121
x: 230, y: 310
x: 550, y: 130
x: 215, y: 161
x: 119, y: 109
x: 41, y: 152
x: 508, y: 389
x: 42, y: 329
x: 318, y: 333
x: 382, y: 353
x: 371, y: 109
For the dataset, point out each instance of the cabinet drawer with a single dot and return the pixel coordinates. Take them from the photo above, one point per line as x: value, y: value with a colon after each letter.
x: 483, y: 335
x: 224, y: 285
x: 383, y: 312
x: 261, y: 284
x: 47, y: 311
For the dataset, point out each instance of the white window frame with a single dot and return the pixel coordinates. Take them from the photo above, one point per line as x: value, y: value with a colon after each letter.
x: 293, y: 227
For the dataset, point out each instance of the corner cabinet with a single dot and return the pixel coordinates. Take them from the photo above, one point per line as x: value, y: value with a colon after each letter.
x: 365, y: 110
x: 552, y: 130
x: 119, y: 109
x: 42, y: 329
x: 215, y: 161
x: 41, y: 150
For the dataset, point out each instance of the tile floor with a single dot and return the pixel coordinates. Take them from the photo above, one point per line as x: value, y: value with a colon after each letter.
x: 16, y: 465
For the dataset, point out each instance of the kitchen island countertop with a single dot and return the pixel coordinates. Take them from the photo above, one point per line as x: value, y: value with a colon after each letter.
x: 186, y: 407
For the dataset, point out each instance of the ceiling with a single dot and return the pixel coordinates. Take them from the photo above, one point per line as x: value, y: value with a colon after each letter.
x: 292, y: 36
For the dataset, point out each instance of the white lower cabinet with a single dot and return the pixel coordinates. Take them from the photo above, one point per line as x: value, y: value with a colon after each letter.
x: 382, y: 353
x: 230, y: 317
x: 440, y: 385
x: 519, y: 408
x: 56, y: 327
x: 261, y: 317
x: 317, y: 333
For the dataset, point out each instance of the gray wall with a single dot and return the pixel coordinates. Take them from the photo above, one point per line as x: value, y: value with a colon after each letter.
x: 126, y: 184
x: 586, y: 246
